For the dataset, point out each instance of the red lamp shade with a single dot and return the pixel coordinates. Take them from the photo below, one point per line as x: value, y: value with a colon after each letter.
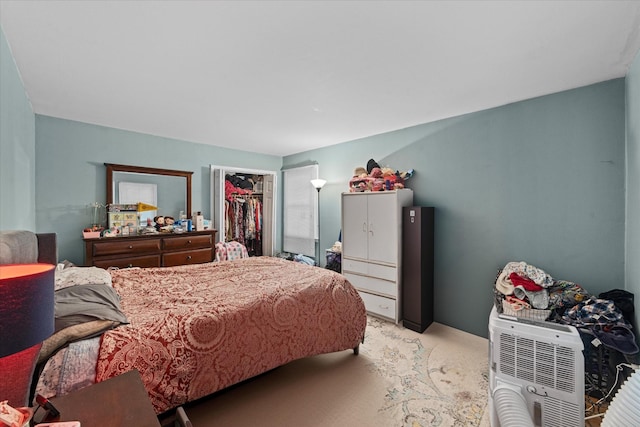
x: 26, y: 319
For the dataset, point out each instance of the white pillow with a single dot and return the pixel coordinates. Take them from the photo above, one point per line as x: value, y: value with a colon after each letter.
x: 81, y: 276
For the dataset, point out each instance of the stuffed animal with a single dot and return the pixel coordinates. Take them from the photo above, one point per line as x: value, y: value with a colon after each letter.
x: 159, y: 220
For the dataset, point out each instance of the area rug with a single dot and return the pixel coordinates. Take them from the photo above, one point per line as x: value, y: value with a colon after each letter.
x: 438, y: 378
x: 400, y: 378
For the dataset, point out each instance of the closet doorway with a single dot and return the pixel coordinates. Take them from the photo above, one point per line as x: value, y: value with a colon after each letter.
x: 243, y: 207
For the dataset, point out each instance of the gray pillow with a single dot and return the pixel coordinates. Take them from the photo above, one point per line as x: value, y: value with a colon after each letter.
x: 80, y: 303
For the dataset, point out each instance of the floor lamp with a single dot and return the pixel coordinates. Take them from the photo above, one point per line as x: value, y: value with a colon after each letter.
x: 318, y: 184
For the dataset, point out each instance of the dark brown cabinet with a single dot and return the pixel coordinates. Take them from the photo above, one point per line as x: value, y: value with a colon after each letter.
x: 417, y: 267
x: 155, y: 250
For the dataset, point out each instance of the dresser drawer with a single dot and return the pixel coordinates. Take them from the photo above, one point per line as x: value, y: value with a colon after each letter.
x: 187, y: 257
x: 383, y: 272
x: 139, y: 261
x: 381, y: 306
x: 187, y: 242
x: 375, y: 285
x: 156, y: 250
x: 126, y: 246
x: 370, y: 269
x: 354, y: 266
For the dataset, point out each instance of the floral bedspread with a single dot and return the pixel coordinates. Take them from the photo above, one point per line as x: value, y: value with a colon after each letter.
x: 200, y: 328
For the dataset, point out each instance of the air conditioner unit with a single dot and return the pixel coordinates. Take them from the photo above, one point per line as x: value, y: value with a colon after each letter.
x: 536, y: 373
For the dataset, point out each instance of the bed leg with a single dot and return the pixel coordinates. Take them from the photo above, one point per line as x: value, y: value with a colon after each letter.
x: 356, y: 350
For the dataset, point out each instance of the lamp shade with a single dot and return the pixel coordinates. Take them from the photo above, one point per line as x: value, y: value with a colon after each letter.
x: 26, y: 306
x: 26, y: 319
x: 318, y: 183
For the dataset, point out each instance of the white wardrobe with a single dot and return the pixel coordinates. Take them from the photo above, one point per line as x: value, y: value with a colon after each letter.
x: 372, y: 246
x: 264, y: 193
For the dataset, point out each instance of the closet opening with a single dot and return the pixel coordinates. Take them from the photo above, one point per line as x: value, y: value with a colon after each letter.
x: 243, y: 207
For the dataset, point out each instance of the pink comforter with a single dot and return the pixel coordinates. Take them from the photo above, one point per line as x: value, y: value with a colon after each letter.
x: 197, y: 329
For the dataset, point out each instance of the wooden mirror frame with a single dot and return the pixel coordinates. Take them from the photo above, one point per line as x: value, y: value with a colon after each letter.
x: 111, y: 168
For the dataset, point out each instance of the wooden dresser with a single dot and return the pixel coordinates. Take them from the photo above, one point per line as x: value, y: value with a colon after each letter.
x: 156, y: 250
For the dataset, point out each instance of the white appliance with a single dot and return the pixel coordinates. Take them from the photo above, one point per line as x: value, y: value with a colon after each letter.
x: 624, y: 410
x: 536, y: 373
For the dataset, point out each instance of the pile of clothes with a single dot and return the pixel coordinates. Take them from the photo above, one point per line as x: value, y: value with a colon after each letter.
x: 377, y: 178
x: 236, y: 184
x: 525, y: 290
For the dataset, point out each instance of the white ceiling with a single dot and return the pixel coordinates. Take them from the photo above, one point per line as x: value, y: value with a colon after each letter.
x: 281, y: 77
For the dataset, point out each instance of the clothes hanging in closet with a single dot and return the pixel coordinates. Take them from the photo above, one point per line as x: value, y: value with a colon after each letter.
x: 243, y: 222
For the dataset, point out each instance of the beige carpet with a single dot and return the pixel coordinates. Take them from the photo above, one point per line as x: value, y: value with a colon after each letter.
x: 400, y: 378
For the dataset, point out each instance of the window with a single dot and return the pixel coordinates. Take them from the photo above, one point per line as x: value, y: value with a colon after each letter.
x: 299, y: 215
x: 130, y: 193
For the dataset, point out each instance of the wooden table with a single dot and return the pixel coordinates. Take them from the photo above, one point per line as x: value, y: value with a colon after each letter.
x: 116, y: 402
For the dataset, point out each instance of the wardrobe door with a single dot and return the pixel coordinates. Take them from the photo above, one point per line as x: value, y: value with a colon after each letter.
x: 354, y: 225
x: 383, y: 227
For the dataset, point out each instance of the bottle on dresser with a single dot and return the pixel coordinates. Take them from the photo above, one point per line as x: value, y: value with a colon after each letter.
x: 199, y: 221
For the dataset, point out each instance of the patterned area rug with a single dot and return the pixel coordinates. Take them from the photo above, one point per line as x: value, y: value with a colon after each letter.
x: 400, y: 379
x: 438, y: 378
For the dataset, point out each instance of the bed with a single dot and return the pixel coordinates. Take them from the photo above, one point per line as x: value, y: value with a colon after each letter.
x: 193, y: 330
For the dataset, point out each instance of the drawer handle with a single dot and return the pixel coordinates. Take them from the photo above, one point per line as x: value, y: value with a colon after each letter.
x: 130, y: 246
x: 384, y: 307
x: 188, y: 257
x: 188, y: 242
x: 130, y: 265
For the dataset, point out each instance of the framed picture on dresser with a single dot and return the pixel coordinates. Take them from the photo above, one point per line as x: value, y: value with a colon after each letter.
x: 120, y: 219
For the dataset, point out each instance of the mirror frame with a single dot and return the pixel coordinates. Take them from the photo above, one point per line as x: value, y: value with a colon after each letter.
x: 111, y: 168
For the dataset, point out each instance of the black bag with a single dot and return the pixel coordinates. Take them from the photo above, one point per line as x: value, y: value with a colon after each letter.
x: 623, y: 300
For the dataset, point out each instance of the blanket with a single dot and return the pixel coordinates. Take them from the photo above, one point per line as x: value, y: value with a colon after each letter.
x: 200, y: 328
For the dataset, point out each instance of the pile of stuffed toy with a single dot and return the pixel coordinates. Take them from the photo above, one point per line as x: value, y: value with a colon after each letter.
x: 376, y: 178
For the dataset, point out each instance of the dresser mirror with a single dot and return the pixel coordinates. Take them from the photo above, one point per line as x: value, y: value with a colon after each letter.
x: 169, y: 190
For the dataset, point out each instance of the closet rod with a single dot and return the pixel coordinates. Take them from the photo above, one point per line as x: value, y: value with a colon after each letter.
x: 246, y: 196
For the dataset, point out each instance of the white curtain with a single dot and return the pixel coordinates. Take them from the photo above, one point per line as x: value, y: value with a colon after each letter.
x: 300, y: 210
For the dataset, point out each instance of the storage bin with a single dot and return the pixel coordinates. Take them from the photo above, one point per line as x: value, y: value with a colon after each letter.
x: 334, y: 261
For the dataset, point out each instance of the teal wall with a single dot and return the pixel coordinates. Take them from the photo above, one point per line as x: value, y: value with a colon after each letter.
x: 17, y: 148
x: 72, y: 172
x: 632, y: 273
x: 540, y: 181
